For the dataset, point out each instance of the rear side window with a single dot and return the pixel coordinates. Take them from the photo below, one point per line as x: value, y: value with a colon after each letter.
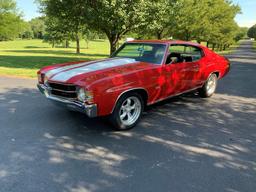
x: 177, y: 49
x: 184, y: 53
x: 195, y: 52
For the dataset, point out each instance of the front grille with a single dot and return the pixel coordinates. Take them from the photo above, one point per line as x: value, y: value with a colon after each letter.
x: 63, y: 90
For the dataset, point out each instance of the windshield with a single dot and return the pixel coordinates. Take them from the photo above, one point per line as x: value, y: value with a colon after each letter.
x: 145, y: 52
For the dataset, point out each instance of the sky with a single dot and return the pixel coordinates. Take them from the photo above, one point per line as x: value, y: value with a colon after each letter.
x: 246, y: 19
x: 29, y: 8
x: 248, y: 16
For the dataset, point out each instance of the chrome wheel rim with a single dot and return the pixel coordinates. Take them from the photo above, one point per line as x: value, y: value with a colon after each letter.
x: 130, y: 111
x: 211, y: 84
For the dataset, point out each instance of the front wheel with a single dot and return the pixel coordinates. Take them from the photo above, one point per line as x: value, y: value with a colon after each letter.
x: 127, y: 111
x: 209, y: 87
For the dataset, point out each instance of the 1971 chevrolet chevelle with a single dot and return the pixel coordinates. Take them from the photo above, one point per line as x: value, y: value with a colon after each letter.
x: 138, y: 74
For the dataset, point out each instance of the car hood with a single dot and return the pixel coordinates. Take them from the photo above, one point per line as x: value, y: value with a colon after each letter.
x: 95, y: 70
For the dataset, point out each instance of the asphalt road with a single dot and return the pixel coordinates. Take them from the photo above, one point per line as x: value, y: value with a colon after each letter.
x: 186, y: 144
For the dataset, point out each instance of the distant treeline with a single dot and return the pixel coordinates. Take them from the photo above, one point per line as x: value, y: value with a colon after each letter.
x: 67, y: 20
x: 252, y: 32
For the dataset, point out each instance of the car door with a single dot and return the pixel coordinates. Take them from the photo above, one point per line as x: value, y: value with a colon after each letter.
x: 193, y: 64
x: 175, y: 71
x: 182, y: 72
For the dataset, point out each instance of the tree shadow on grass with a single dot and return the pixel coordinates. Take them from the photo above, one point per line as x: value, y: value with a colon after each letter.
x: 185, y: 143
x: 98, y: 40
x: 58, y: 52
x: 35, y: 47
x: 36, y: 62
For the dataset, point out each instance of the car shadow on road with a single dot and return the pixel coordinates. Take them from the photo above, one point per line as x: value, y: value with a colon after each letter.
x: 186, y: 138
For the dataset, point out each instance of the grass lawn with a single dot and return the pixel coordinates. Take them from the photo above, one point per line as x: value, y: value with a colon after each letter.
x: 25, y: 57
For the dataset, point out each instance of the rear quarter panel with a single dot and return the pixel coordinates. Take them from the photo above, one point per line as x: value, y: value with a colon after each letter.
x: 214, y: 63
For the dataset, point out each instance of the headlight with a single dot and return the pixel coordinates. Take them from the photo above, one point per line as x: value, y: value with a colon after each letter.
x: 85, y: 96
x: 81, y: 95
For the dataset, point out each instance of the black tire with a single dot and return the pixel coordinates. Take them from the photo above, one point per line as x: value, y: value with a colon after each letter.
x: 115, y: 118
x: 205, y: 92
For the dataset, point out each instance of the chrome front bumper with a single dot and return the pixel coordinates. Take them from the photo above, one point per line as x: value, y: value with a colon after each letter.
x: 89, y: 110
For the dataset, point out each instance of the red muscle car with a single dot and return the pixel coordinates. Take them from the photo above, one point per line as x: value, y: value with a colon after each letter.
x: 138, y: 74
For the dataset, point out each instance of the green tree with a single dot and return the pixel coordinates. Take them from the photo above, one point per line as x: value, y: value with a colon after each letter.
x: 223, y: 27
x: 38, y: 27
x: 67, y: 16
x: 55, y: 32
x: 11, y: 23
x: 252, y: 32
x: 241, y: 33
x: 89, y: 35
x: 114, y: 18
x: 191, y: 20
x: 158, y: 19
x: 205, y: 20
x: 201, y: 20
x: 27, y: 33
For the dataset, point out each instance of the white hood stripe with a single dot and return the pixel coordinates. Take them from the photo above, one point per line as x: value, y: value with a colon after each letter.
x: 61, y: 69
x: 63, y: 74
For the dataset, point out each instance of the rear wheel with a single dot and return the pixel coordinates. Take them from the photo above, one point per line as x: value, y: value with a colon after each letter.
x: 209, y: 87
x: 127, y: 111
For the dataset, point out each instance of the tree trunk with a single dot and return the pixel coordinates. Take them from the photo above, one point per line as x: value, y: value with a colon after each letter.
x: 113, y: 47
x: 77, y: 44
x: 207, y: 44
x: 53, y: 44
x: 159, y: 35
x: 213, y: 47
x: 87, y: 44
x: 187, y: 36
x: 113, y: 41
x: 66, y: 44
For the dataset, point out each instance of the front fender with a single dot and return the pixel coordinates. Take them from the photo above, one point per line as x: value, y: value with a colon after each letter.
x: 107, y: 99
